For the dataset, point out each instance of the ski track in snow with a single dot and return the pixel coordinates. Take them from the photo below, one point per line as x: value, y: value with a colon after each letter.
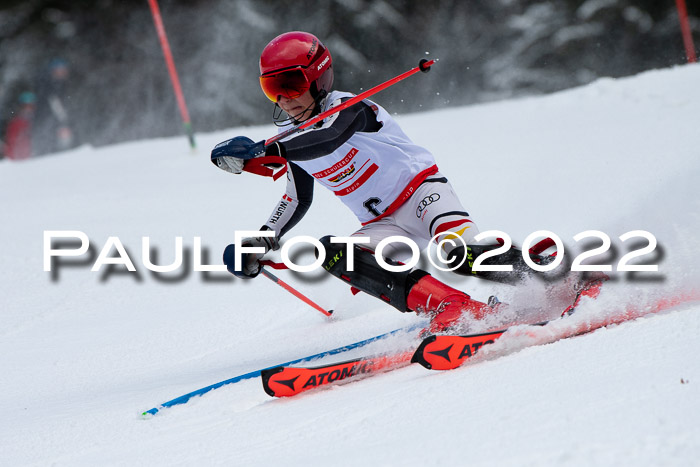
x: 86, y: 353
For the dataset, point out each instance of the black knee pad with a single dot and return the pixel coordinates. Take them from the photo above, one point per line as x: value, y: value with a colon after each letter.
x: 367, y: 275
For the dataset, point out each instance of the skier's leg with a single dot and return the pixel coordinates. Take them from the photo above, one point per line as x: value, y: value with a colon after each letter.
x: 435, y: 212
x: 414, y: 290
x: 366, y: 275
x: 465, y: 256
x: 444, y: 305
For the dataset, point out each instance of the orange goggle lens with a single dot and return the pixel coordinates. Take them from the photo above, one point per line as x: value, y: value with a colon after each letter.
x: 290, y: 83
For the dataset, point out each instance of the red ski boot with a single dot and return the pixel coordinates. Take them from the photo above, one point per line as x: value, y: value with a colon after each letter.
x: 443, y: 304
x: 586, y: 288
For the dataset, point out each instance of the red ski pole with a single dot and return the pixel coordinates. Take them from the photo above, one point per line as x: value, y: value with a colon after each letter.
x: 294, y: 291
x: 423, y: 66
x: 686, y: 31
x: 170, y: 63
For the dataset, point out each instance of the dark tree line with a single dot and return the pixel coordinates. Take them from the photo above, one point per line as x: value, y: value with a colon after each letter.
x: 487, y: 49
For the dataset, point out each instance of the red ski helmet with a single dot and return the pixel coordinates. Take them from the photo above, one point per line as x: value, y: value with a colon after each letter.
x: 293, y: 63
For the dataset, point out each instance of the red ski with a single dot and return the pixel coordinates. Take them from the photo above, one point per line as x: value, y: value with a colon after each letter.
x: 446, y: 352
x: 285, y: 381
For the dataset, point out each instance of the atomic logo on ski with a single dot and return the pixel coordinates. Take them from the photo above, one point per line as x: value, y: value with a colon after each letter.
x: 444, y: 353
x: 451, y: 351
x: 288, y: 382
x: 280, y: 381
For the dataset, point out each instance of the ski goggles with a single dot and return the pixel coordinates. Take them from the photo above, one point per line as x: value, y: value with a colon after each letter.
x: 289, y: 83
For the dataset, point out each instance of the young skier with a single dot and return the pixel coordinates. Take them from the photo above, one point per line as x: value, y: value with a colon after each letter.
x: 392, y: 185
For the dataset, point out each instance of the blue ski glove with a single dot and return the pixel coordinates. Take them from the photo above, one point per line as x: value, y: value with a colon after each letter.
x: 231, y: 154
x: 240, y: 147
x: 250, y: 262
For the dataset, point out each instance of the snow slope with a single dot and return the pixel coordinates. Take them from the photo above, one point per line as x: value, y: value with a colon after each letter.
x: 84, y: 353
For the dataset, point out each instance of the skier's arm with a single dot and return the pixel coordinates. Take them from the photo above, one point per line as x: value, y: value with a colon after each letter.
x: 287, y: 214
x: 231, y: 154
x: 325, y: 140
x: 294, y: 203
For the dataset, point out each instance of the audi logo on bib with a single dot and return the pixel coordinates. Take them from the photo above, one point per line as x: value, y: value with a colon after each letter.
x: 425, y: 202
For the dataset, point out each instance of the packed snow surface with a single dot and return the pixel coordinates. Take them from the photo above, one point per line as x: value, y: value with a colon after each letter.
x: 86, y: 352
